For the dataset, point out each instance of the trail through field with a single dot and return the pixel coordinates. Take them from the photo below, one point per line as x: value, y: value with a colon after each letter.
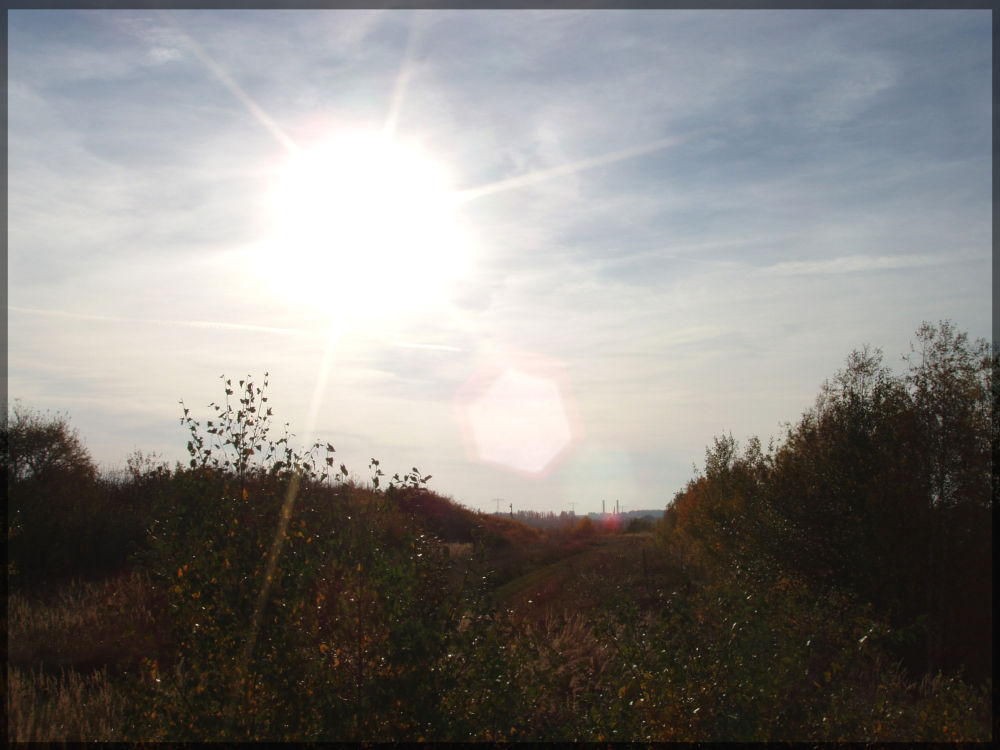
x: 608, y: 570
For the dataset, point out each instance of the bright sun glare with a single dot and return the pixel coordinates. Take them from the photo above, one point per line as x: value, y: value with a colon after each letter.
x: 364, y: 224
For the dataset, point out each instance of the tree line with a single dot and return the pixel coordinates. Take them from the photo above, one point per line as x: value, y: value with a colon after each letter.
x: 881, y: 491
x: 836, y: 585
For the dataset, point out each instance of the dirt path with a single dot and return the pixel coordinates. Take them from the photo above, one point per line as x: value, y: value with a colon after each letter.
x: 607, y: 570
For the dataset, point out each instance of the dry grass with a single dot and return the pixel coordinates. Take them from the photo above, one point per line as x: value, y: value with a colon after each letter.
x: 606, y: 571
x: 572, y: 661
x: 459, y: 550
x: 69, y: 707
x: 85, y: 625
x: 67, y: 652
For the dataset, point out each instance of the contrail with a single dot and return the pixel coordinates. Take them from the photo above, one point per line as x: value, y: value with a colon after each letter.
x: 435, y: 347
x: 162, y: 322
x: 403, y: 78
x: 561, y: 170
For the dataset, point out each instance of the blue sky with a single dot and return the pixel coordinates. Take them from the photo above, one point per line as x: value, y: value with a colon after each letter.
x: 647, y: 227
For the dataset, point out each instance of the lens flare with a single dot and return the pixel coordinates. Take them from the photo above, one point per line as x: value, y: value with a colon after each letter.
x: 519, y: 415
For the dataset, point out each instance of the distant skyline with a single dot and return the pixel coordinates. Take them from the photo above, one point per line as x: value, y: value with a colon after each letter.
x: 543, y: 255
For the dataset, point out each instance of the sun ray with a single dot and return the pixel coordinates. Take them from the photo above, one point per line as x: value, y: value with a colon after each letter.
x: 234, y: 88
x: 322, y: 377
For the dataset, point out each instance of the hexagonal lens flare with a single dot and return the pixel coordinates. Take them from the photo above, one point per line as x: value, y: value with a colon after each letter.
x: 519, y: 415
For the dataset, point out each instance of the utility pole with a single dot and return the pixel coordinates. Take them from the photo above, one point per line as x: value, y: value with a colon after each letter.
x: 572, y: 508
x: 602, y: 508
x: 498, y: 499
x: 512, y: 510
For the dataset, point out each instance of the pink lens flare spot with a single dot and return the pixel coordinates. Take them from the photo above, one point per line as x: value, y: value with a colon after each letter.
x: 518, y: 415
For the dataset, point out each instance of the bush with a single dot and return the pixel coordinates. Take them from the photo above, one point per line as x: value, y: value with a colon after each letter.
x: 881, y: 491
x: 302, y: 608
x: 640, y: 525
x: 42, y: 447
x: 60, y: 523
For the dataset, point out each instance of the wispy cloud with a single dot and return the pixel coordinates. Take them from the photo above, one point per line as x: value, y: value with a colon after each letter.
x: 564, y: 170
x: 697, y: 213
x: 430, y: 347
x: 160, y: 322
x: 861, y: 263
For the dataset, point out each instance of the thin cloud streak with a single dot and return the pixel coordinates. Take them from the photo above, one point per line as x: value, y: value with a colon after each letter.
x: 403, y: 77
x: 158, y: 321
x: 697, y: 214
x: 562, y: 170
x: 857, y: 263
x: 433, y: 347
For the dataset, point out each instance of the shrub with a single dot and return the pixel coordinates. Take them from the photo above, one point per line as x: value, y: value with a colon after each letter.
x: 60, y: 522
x: 302, y: 608
x: 640, y: 525
x: 37, y: 446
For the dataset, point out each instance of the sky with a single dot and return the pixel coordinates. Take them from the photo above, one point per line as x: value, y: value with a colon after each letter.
x: 542, y: 256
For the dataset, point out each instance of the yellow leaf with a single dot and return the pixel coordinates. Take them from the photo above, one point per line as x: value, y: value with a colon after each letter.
x: 245, y: 494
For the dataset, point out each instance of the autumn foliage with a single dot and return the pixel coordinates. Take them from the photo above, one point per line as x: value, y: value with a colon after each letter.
x: 835, y: 586
x: 880, y: 493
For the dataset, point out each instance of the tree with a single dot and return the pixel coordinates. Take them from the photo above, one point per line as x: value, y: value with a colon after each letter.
x: 950, y: 378
x: 42, y: 447
x: 55, y: 523
x: 880, y: 491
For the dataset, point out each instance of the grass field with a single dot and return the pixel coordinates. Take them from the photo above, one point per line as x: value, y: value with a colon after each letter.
x: 71, y: 650
x: 603, y: 572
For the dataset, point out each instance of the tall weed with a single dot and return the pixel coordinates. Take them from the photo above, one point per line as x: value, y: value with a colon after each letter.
x: 68, y: 707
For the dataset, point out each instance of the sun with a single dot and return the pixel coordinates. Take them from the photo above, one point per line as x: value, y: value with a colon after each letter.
x: 363, y: 224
